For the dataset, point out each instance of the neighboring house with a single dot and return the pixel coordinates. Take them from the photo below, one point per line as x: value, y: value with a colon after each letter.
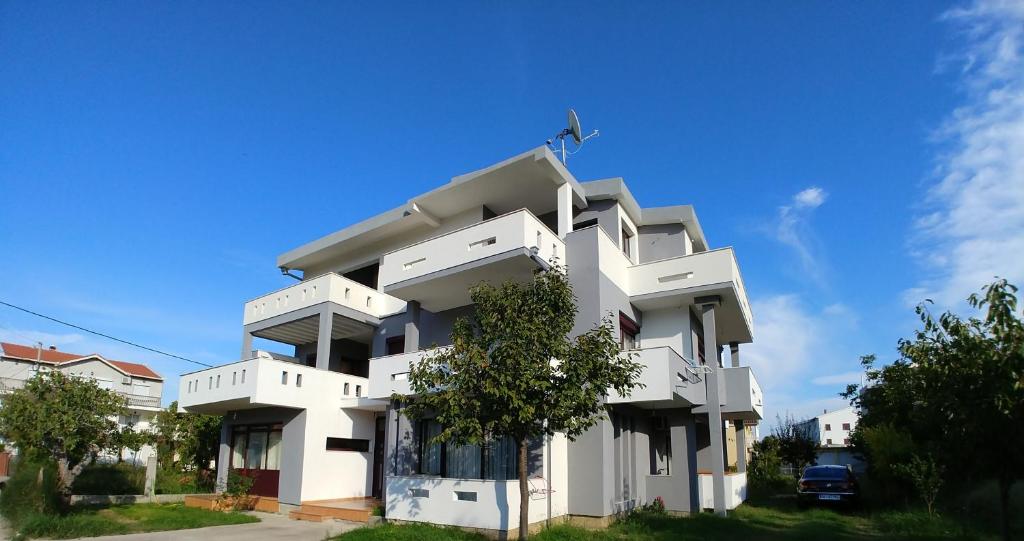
x: 319, y: 423
x: 140, y: 386
x: 832, y: 430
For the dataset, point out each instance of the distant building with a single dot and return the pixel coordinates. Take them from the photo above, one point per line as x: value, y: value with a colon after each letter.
x: 138, y: 384
x: 832, y: 430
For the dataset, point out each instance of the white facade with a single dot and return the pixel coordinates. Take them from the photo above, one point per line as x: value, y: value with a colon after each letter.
x: 832, y: 428
x: 317, y: 422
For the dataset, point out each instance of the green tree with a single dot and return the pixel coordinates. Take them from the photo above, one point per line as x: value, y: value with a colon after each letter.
x: 764, y: 460
x: 513, y: 371
x: 192, y: 437
x: 131, y: 439
x: 958, y: 381
x: 926, y: 477
x: 62, y: 418
x: 797, y: 447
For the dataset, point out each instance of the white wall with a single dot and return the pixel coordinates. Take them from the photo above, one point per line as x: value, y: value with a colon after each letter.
x: 497, y: 502
x: 336, y: 474
x: 835, y: 421
x: 735, y: 490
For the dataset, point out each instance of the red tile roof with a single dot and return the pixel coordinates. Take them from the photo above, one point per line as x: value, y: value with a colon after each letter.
x: 52, y: 356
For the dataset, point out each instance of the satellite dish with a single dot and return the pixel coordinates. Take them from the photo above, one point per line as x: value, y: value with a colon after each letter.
x: 574, y: 127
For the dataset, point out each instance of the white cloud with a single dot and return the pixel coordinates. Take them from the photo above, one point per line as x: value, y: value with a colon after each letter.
x: 30, y: 338
x: 812, y: 197
x: 792, y: 229
x: 843, y: 378
x: 971, y: 226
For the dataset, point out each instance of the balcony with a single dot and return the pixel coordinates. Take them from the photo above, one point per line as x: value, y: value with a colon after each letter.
x: 669, y: 381
x: 744, y: 399
x: 132, y: 400
x: 264, y: 381
x: 328, y: 287
x: 679, y: 280
x: 390, y: 374
x: 439, y: 272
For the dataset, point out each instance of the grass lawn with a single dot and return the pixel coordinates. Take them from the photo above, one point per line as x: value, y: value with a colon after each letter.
x: 122, y: 519
x: 770, y: 520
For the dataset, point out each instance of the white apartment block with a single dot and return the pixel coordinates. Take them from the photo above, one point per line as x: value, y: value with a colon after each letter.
x: 832, y: 430
x: 136, y: 383
x: 317, y: 425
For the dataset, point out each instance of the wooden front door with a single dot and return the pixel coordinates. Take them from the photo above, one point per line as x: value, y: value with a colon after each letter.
x: 377, y: 490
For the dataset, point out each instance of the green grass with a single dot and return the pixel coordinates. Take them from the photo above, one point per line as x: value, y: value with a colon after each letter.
x: 767, y: 520
x: 122, y: 519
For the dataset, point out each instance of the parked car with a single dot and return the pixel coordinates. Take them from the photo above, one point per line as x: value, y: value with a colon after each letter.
x: 827, y: 484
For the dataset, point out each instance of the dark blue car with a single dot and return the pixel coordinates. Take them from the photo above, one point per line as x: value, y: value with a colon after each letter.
x: 827, y: 485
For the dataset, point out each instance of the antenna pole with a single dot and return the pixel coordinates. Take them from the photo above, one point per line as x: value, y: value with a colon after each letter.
x: 562, y: 138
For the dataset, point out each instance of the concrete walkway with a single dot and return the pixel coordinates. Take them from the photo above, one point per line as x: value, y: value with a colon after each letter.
x: 272, y: 526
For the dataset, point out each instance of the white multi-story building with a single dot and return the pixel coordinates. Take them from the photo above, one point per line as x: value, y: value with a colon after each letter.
x: 136, y: 383
x: 318, y: 423
x: 832, y: 430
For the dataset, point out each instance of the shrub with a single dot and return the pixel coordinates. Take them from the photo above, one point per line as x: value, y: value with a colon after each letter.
x: 236, y: 493
x: 173, y: 481
x: 106, y: 479
x: 31, y: 490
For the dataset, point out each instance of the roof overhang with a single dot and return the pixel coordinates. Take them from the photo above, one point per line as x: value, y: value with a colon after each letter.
x: 616, y: 189
x: 523, y: 181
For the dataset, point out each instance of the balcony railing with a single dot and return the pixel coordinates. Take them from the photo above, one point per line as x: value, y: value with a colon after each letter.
x: 264, y: 381
x: 326, y: 287
x: 133, y: 400
x: 518, y: 230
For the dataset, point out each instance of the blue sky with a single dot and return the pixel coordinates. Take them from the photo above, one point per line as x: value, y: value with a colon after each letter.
x: 155, y: 158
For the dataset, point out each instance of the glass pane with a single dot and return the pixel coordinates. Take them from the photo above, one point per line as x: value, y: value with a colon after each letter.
x: 501, y: 459
x: 255, y: 456
x: 274, y: 451
x: 237, y: 450
x: 430, y: 455
x: 463, y: 461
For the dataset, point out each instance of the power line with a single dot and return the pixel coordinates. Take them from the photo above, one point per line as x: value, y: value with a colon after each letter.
x: 97, y: 333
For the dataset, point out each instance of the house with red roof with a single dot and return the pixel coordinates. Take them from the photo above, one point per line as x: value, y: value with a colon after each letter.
x: 140, y: 386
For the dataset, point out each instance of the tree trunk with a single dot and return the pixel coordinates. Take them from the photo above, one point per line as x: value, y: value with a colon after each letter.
x: 524, y: 492
x: 1004, y: 503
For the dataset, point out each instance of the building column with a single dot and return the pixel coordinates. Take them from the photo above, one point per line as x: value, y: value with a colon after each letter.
x: 707, y: 306
x: 223, y: 455
x: 734, y: 349
x: 412, y: 327
x: 564, y: 210
x: 741, y: 447
x: 323, y: 339
x: 246, y: 345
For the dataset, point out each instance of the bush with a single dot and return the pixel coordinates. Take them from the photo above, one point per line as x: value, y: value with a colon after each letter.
x: 172, y: 481
x: 31, y: 490
x: 110, y: 479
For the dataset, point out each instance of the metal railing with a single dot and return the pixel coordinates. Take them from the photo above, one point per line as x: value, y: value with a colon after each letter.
x: 142, y: 401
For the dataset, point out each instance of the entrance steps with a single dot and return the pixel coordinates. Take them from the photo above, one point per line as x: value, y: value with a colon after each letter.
x: 350, y: 509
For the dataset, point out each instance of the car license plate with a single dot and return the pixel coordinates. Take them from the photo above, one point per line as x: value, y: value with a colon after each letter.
x: 833, y: 497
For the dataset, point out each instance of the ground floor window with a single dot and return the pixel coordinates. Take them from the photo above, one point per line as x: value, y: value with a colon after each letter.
x: 495, y: 459
x: 661, y: 447
x: 256, y: 447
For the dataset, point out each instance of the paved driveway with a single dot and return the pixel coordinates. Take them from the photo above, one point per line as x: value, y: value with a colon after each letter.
x: 276, y: 527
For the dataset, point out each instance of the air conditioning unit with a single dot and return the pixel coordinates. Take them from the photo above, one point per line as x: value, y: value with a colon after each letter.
x: 126, y: 380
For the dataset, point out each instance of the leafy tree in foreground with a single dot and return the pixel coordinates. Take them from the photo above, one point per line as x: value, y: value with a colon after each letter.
x: 764, y: 460
x: 958, y: 390
x: 796, y: 446
x: 192, y: 437
x: 62, y: 418
x: 513, y: 371
x: 926, y: 476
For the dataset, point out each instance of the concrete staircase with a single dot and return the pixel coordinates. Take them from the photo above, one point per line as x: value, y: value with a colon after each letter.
x: 352, y: 510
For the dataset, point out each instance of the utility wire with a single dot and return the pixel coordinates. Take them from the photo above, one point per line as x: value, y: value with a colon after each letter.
x: 97, y: 333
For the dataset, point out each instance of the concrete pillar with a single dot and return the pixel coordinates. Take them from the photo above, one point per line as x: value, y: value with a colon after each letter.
x: 149, y: 489
x: 323, y: 340
x: 246, y: 345
x: 741, y: 447
x: 734, y: 349
x: 412, y: 327
x: 564, y: 210
x: 707, y: 306
x: 224, y: 455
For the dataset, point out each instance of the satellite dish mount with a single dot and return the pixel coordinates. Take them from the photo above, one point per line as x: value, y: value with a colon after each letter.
x: 573, y: 131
